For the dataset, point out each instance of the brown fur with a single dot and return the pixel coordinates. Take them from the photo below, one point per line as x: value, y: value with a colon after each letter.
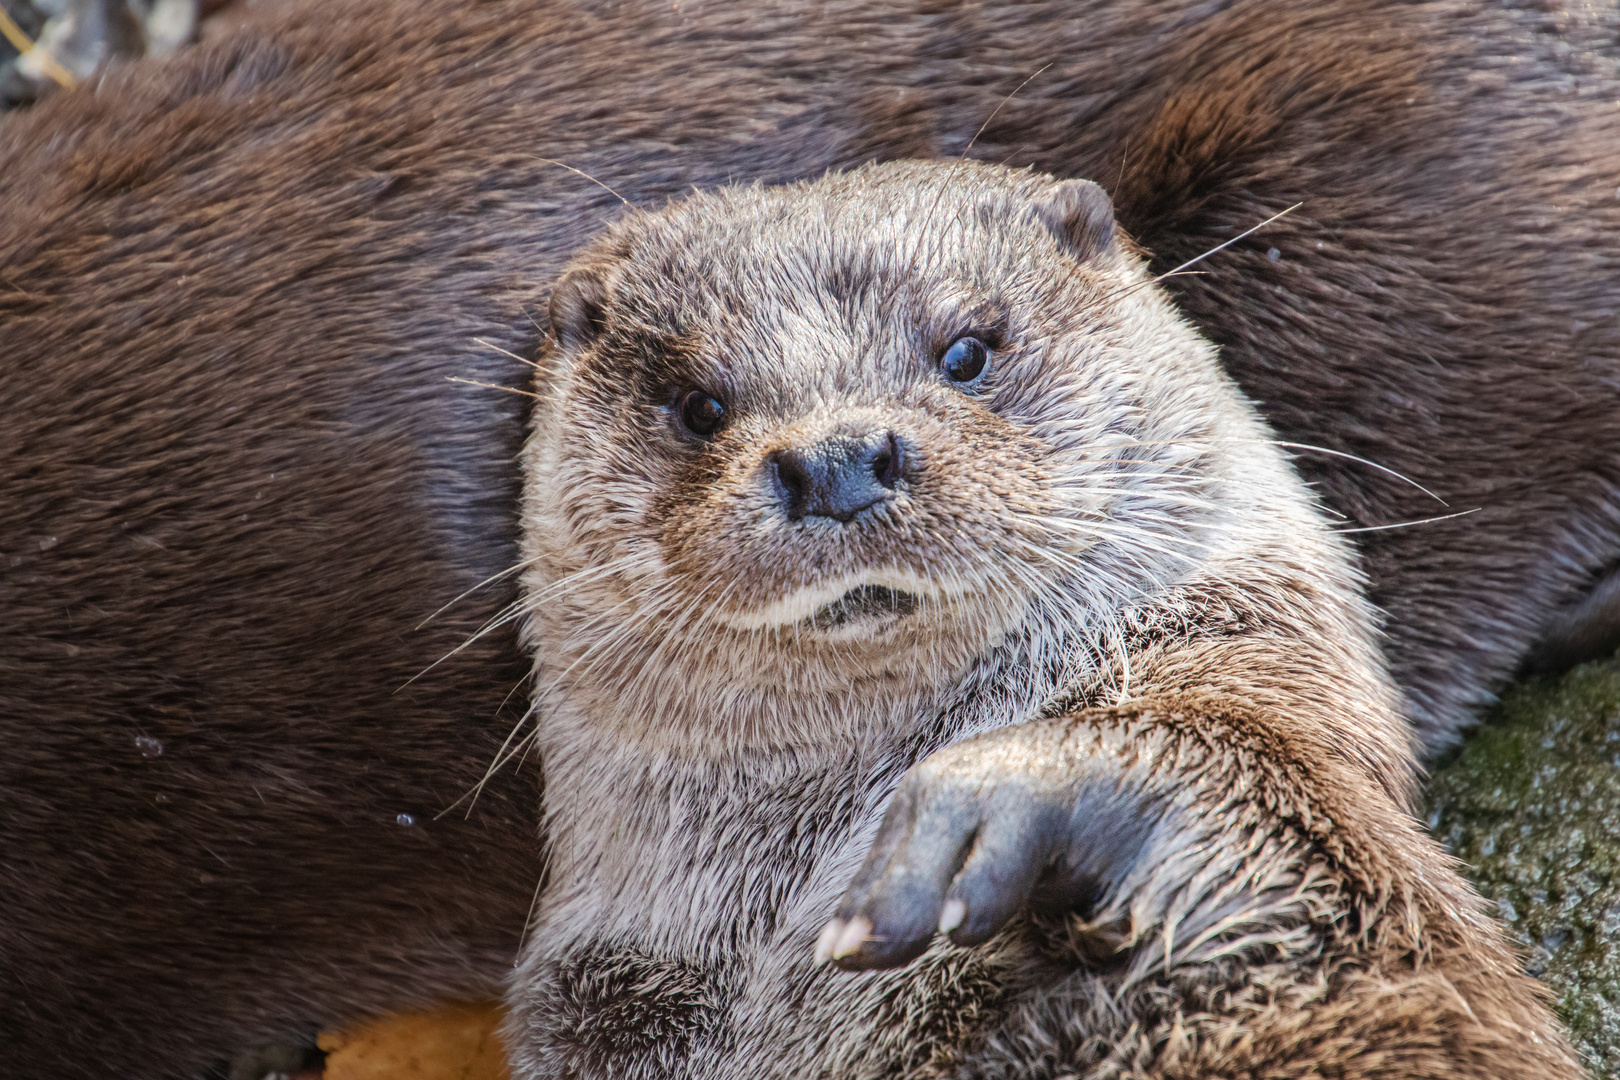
x: 312, y: 226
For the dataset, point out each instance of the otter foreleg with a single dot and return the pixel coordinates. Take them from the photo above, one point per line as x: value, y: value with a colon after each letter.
x: 1233, y: 898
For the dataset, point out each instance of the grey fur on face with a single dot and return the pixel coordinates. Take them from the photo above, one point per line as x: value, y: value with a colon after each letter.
x: 1007, y: 478
x: 1000, y: 480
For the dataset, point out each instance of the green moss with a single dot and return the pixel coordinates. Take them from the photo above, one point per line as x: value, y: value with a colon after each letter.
x: 1532, y: 805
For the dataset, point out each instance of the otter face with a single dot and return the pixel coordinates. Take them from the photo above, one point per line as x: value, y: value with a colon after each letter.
x: 856, y: 432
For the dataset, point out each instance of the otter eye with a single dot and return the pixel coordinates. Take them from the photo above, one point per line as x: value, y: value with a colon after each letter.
x: 700, y: 413
x: 965, y: 360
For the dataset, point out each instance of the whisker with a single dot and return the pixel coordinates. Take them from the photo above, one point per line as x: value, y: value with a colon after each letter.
x: 1360, y: 460
x: 586, y: 175
x: 492, y: 386
x: 508, y: 352
x: 1251, y: 230
x: 1200, y: 441
x: 534, y: 902
x: 987, y: 120
x: 1407, y: 524
x: 514, y: 568
x: 517, y: 609
x: 501, y: 758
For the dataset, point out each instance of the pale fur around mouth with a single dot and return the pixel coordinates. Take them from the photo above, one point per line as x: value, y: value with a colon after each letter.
x: 845, y: 603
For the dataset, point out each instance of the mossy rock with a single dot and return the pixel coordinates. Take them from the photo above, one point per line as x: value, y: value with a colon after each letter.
x: 1531, y: 804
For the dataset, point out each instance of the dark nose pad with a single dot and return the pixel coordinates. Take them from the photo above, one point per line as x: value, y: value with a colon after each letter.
x: 841, y: 476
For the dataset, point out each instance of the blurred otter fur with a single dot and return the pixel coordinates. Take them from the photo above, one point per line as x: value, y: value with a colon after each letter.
x: 238, y: 479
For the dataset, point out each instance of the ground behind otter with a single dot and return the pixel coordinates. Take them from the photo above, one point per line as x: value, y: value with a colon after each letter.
x: 1531, y: 805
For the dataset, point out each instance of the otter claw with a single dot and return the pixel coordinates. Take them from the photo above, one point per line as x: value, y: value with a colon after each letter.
x: 952, y: 915
x: 978, y: 832
x: 840, y: 939
x: 830, y: 935
x: 856, y: 933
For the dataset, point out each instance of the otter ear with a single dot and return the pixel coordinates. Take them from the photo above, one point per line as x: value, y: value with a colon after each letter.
x: 579, y: 307
x: 1080, y: 215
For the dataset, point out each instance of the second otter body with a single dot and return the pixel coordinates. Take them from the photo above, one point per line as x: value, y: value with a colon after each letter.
x: 264, y: 261
x: 826, y: 479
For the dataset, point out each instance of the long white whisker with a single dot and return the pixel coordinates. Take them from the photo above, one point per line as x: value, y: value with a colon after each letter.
x: 514, y: 568
x: 1407, y: 524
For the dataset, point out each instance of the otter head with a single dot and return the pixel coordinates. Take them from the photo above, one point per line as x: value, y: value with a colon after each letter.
x: 806, y: 453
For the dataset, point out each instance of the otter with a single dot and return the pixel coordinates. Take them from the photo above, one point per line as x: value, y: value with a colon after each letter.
x: 824, y: 480
x: 238, y: 478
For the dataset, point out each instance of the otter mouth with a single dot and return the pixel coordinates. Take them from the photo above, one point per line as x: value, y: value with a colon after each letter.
x: 865, y: 602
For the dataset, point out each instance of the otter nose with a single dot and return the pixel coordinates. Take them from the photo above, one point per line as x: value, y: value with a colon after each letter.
x: 840, y: 476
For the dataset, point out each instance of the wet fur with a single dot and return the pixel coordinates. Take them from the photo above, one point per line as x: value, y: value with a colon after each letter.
x: 312, y: 228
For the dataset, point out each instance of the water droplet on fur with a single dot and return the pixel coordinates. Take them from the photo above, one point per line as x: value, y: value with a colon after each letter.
x: 161, y: 799
x: 49, y: 542
x: 405, y: 819
x: 148, y: 746
x: 1273, y: 254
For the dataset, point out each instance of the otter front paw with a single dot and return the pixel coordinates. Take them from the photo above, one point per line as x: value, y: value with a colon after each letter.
x: 977, y: 832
